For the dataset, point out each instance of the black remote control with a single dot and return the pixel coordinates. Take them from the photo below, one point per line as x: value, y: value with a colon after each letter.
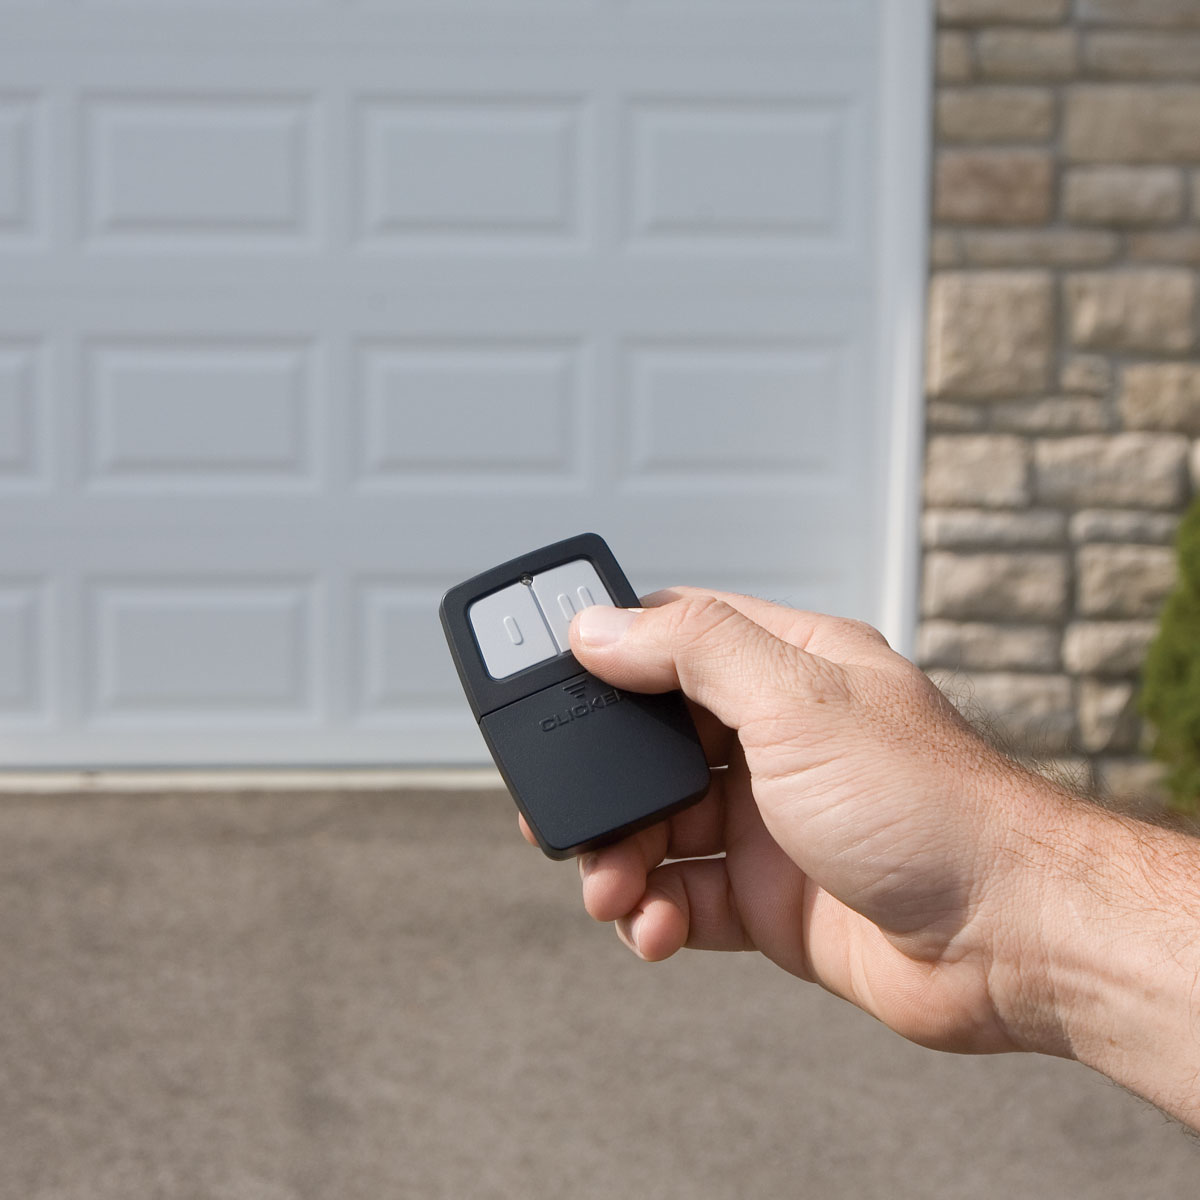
x: 586, y: 764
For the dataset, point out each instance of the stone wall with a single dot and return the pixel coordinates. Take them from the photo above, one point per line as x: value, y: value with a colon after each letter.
x: 1063, y: 382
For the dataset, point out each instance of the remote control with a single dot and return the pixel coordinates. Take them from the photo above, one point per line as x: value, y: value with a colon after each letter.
x: 586, y: 763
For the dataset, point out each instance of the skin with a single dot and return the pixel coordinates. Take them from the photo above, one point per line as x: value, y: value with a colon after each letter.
x: 870, y: 842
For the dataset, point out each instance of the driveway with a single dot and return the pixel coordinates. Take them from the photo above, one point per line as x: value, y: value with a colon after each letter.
x: 311, y: 995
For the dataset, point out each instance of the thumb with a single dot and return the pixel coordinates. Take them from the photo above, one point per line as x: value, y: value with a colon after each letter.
x: 700, y: 644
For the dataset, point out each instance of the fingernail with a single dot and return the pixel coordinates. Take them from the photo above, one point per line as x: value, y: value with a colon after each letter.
x: 631, y: 930
x: 587, y: 864
x: 602, y: 626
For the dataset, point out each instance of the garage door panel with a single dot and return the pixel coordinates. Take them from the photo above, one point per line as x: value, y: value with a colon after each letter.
x: 470, y: 172
x: 169, y: 414
x: 473, y: 414
x: 740, y: 416
x: 26, y: 628
x: 25, y: 417
x: 202, y: 649
x: 739, y: 172
x: 197, y: 171
x: 23, y: 158
x: 401, y: 668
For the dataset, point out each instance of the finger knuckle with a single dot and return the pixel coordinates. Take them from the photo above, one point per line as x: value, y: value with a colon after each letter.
x: 852, y: 628
x: 695, y: 619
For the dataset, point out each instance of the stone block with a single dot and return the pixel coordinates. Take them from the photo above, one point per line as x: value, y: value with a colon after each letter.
x: 1124, y: 470
x: 990, y: 334
x: 995, y: 586
x: 1123, y: 525
x: 953, y: 57
x: 944, y: 248
x: 991, y: 470
x: 1020, y: 54
x: 1108, y: 718
x: 954, y: 416
x: 1107, y: 648
x: 993, y: 187
x: 1123, y: 580
x: 1163, y: 396
x: 1177, y: 247
x: 1142, y: 310
x: 1088, y: 373
x: 1194, y: 466
x: 1123, y: 195
x: 980, y: 115
x: 1136, y: 54
x: 967, y: 528
x: 1172, y: 14
x: 1038, y: 247
x: 971, y: 646
x: 1026, y: 714
x: 1052, y: 414
x: 1024, y: 12
x: 1127, y: 123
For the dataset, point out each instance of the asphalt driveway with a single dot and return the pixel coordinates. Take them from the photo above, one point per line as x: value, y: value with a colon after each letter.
x: 294, y: 996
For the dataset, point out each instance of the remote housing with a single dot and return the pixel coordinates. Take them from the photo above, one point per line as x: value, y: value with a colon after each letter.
x: 586, y: 763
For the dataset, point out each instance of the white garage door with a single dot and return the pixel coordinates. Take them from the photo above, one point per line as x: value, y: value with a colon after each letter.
x: 310, y: 310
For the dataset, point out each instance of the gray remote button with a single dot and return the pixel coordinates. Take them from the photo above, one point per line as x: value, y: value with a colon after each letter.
x: 566, y: 590
x: 510, y: 631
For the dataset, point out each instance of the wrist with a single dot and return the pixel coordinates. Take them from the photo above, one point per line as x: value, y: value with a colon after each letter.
x: 1100, y: 959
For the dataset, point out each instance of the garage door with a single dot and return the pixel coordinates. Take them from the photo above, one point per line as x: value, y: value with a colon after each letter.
x: 308, y: 311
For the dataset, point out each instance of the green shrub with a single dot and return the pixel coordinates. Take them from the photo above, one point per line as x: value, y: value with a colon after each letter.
x: 1170, y: 698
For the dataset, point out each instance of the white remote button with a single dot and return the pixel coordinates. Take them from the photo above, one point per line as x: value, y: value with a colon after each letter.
x: 510, y: 631
x: 566, y: 590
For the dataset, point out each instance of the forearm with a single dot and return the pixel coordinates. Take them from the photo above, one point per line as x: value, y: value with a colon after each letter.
x: 1105, y: 966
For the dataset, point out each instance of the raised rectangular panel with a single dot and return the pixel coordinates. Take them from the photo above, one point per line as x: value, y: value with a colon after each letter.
x: 24, y: 417
x: 207, y: 416
x: 197, y: 168
x: 753, y: 170
x: 467, y: 414
x: 220, y: 652
x: 739, y: 414
x: 19, y: 151
x: 402, y: 658
x: 465, y: 169
x: 24, y: 634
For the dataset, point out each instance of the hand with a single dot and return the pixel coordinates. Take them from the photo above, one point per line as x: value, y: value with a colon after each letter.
x: 871, y: 842
x: 864, y: 827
